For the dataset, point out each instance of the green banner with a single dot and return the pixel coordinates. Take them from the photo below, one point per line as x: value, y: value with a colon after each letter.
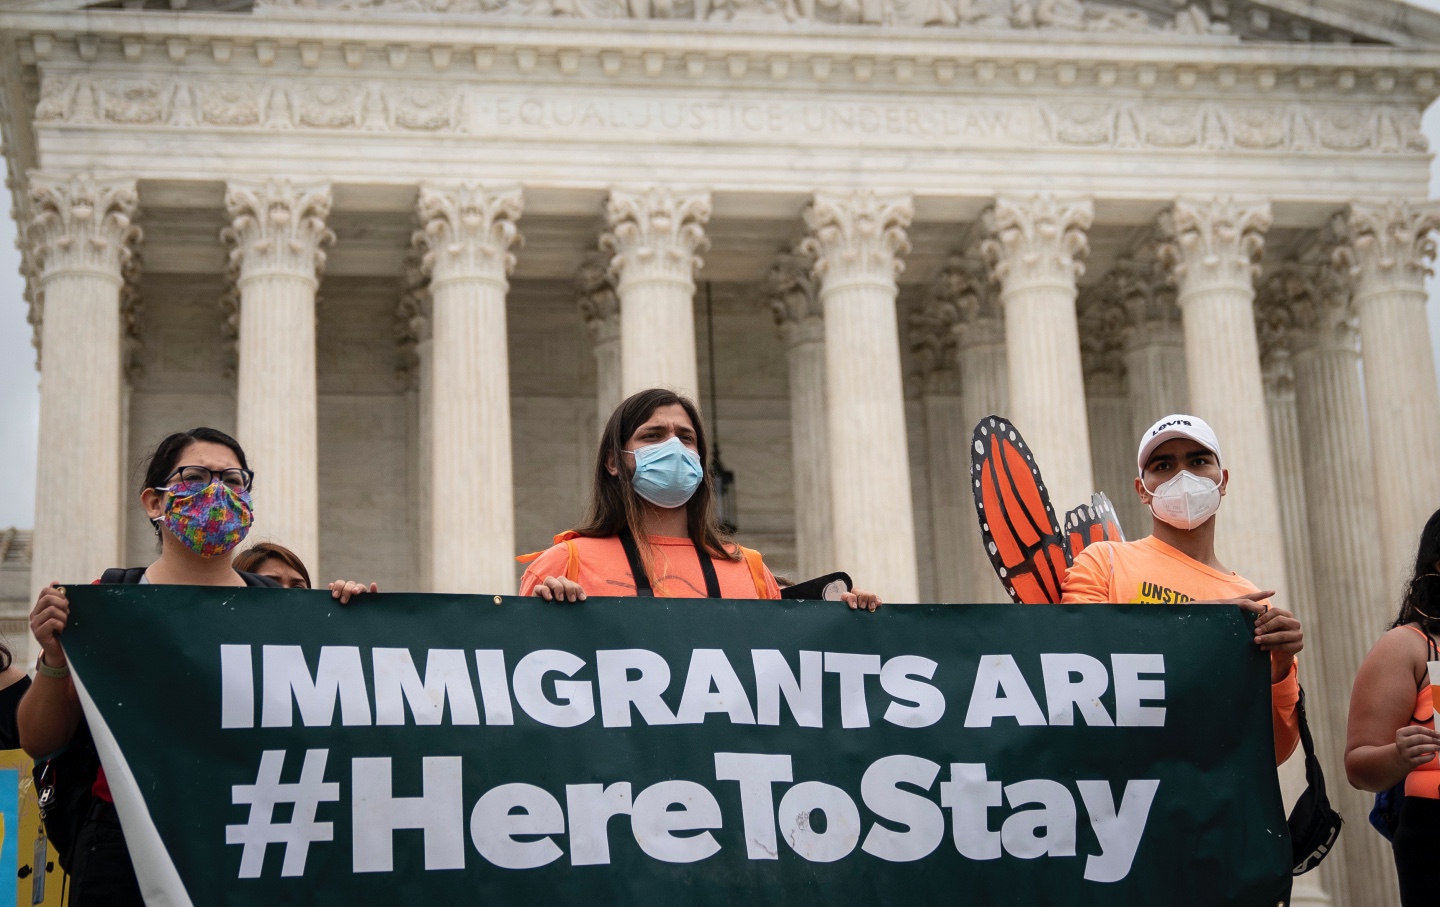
x: 272, y: 746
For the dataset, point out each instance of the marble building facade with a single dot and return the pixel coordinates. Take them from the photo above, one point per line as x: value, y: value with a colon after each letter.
x: 412, y: 252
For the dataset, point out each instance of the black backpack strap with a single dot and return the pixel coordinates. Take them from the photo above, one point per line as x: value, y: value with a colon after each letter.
x: 255, y: 579
x: 707, y: 567
x: 128, y: 576
x: 637, y: 566
x: 1314, y: 777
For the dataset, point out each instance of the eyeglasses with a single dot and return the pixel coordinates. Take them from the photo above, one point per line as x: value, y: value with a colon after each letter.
x: 235, y: 478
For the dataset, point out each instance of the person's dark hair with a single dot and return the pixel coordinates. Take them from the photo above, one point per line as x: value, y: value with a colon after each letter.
x: 614, y: 505
x: 166, y: 456
x: 1421, y: 604
x: 7, y: 658
x: 254, y: 557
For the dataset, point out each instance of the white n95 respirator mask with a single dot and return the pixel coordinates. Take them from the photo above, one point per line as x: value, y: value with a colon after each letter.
x: 1185, y: 501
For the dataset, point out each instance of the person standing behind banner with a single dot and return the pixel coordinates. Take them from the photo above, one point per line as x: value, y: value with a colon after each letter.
x: 275, y: 561
x: 1391, y: 735
x: 651, y: 528
x: 1182, y: 482
x: 289, y: 572
x: 196, y: 494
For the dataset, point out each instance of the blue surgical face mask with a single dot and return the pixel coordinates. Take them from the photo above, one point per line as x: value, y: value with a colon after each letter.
x: 666, y: 474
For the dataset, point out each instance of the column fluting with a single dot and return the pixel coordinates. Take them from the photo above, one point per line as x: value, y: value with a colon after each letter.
x: 857, y: 239
x: 600, y: 309
x: 468, y: 230
x: 795, y: 303
x: 1214, y: 250
x: 1350, y: 608
x: 277, y: 235
x: 81, y: 241
x: 934, y: 344
x: 984, y: 391
x: 655, y: 236
x: 1036, y: 250
x: 1387, y: 250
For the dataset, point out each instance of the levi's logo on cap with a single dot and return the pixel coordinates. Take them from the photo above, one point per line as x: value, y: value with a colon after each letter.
x: 1164, y: 425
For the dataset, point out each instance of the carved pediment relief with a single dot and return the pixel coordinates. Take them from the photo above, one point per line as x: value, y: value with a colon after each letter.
x: 1041, y: 15
x: 1392, y: 22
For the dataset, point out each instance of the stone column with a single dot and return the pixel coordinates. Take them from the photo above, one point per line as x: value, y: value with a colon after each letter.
x: 1214, y: 251
x: 412, y: 328
x: 984, y: 383
x: 1036, y: 251
x: 468, y: 230
x: 857, y: 239
x: 1102, y: 354
x: 1154, y: 344
x: 80, y: 243
x: 1387, y: 250
x: 655, y: 236
x: 1347, y: 608
x: 277, y: 234
x: 1153, y: 349
x: 795, y: 302
x: 934, y: 344
x: 600, y: 308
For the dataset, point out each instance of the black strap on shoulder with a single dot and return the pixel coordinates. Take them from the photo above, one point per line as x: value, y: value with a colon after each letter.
x: 642, y: 580
x: 637, y: 567
x: 707, y: 567
x: 128, y: 576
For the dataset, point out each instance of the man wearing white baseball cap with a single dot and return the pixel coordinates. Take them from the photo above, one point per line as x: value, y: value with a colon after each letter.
x: 1182, y: 481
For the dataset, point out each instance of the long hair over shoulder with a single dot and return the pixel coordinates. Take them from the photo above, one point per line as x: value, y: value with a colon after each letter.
x: 1421, y: 604
x: 614, y: 505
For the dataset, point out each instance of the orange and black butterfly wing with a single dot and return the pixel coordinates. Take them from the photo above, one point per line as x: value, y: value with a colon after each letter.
x: 1017, y: 523
x: 1091, y: 523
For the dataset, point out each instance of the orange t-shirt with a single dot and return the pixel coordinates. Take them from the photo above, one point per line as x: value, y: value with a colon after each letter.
x: 1151, y: 572
x: 604, y: 570
x: 1424, y: 779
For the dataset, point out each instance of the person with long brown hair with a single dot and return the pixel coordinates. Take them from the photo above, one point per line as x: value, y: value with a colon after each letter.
x: 651, y: 528
x: 1391, y: 737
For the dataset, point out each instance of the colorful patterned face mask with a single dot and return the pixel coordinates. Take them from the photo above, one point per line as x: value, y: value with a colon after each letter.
x: 210, y: 519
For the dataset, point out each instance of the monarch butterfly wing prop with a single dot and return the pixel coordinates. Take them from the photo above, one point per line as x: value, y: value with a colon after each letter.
x: 1091, y: 523
x: 1017, y: 523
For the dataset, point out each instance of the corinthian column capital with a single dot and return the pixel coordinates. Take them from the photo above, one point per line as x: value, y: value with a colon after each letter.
x: 1037, y: 239
x: 597, y: 301
x: 859, y: 236
x: 655, y: 233
x: 467, y: 230
x: 81, y: 224
x: 1386, y: 244
x: 1311, y: 304
x: 1214, y: 241
x: 795, y: 297
x: 277, y: 227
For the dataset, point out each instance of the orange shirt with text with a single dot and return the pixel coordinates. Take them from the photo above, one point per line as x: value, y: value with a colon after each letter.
x: 1151, y: 572
x: 605, y: 571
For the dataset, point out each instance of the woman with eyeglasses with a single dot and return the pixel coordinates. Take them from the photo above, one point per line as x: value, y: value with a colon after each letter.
x: 196, y: 494
x: 1391, y: 740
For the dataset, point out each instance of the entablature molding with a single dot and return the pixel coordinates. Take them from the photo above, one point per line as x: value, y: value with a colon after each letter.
x: 645, y: 52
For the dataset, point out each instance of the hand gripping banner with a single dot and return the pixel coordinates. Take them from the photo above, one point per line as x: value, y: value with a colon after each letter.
x: 269, y: 746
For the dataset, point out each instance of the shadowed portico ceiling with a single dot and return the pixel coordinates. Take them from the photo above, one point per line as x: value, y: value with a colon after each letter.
x: 1301, y: 21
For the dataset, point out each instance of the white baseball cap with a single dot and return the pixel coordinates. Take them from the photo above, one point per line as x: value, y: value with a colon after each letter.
x: 1178, y: 425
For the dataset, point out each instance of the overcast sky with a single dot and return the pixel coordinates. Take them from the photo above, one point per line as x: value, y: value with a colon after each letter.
x: 19, y: 382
